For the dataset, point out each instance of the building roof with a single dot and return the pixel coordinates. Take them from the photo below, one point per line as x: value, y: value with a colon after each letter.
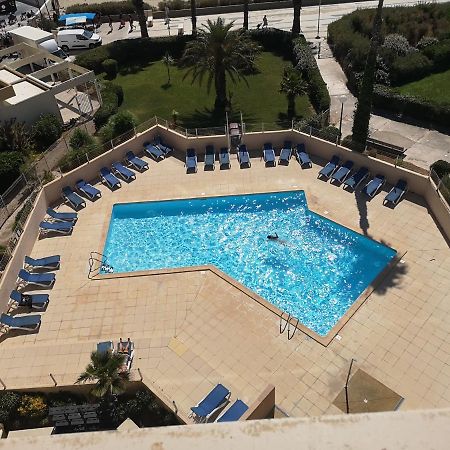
x: 8, y: 77
x: 24, y: 90
x: 31, y: 33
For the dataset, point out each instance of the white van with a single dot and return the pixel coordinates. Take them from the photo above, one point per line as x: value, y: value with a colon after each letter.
x: 75, y: 38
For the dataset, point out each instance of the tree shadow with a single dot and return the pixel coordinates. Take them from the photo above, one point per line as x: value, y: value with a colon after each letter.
x: 212, y: 117
x: 361, y: 204
x: 134, y: 68
x: 166, y: 86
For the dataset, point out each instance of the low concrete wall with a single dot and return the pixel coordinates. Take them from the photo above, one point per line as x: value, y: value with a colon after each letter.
x: 263, y: 406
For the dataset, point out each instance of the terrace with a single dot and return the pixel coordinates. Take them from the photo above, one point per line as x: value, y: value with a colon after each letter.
x: 194, y: 328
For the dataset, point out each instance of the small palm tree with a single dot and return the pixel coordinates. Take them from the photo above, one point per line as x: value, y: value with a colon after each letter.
x: 139, y: 7
x: 168, y: 61
x: 219, y: 52
x: 106, y: 368
x: 292, y: 85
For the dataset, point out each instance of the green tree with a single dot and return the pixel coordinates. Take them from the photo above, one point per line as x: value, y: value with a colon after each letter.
x: 217, y: 53
x: 363, y: 110
x: 46, y: 130
x: 139, y: 7
x: 15, y: 137
x: 168, y: 61
x: 245, y: 26
x: 292, y: 85
x: 296, y: 28
x: 194, y: 18
x: 106, y: 369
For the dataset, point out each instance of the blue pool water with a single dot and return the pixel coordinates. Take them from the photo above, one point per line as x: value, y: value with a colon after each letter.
x: 315, y: 271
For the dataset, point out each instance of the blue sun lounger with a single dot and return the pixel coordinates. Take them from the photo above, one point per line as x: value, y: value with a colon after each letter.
x: 40, y: 279
x: 103, y: 347
x: 342, y: 173
x: 356, y: 179
x: 62, y: 216
x: 27, y: 323
x: 234, y: 412
x: 124, y: 172
x: 224, y: 157
x: 50, y: 262
x: 153, y: 151
x: 191, y: 160
x: 210, y: 156
x: 88, y: 189
x: 269, y: 154
x: 373, y: 186
x: 243, y: 156
x: 329, y: 169
x: 74, y: 199
x: 216, y: 399
x: 286, y: 153
x: 137, y: 163
x: 109, y: 179
x: 396, y: 193
x: 303, y: 157
x: 166, y: 149
x: 57, y: 227
x: 31, y: 300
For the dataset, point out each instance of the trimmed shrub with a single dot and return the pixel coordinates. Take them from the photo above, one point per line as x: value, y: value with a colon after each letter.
x: 397, y: 44
x: 46, y: 130
x: 441, y: 168
x: 110, y: 67
x: 117, y: 89
x: 80, y: 138
x: 275, y: 41
x: 10, y: 163
x: 409, y: 68
x: 440, y: 55
x: 105, y: 9
x: 118, y: 124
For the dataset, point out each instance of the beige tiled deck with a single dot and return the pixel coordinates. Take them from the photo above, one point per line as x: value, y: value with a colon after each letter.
x: 193, y: 329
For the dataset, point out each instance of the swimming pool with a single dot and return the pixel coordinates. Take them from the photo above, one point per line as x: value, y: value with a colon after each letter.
x: 314, y: 271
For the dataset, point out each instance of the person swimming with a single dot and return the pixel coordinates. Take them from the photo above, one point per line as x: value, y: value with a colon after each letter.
x: 272, y: 237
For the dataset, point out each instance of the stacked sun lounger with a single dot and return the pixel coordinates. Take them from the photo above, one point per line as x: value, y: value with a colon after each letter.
x: 214, y: 401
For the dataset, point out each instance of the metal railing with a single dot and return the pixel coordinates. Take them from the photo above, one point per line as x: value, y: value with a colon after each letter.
x: 441, y: 188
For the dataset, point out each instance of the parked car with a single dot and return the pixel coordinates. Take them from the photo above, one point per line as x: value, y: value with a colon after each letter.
x: 75, y: 38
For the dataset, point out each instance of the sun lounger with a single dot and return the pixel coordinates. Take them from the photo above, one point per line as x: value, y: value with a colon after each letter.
x: 269, y: 154
x: 40, y: 279
x: 329, y: 169
x: 124, y: 172
x: 210, y: 156
x: 74, y: 199
x: 27, y: 323
x: 166, y: 149
x: 286, y: 152
x: 56, y: 227
x: 129, y: 353
x: 62, y: 216
x: 88, y: 189
x: 29, y: 300
x: 224, y: 157
x: 153, y: 151
x: 191, y: 160
x: 243, y: 156
x: 373, y: 186
x: 137, y: 163
x: 50, y: 262
x: 396, y: 193
x: 342, y: 173
x: 216, y: 399
x: 109, y: 179
x: 357, y: 178
x: 303, y: 157
x: 103, y: 347
x: 234, y: 412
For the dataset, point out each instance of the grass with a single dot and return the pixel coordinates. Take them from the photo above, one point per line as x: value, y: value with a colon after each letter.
x: 147, y: 93
x: 433, y: 88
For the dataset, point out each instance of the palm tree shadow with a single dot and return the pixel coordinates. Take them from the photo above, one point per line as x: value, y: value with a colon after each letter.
x: 211, y: 117
x: 361, y: 204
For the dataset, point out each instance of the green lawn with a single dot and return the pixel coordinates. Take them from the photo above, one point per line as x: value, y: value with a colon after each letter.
x: 146, y: 94
x: 434, y: 88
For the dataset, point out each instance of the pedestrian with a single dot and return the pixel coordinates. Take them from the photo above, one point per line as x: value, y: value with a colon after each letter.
x: 110, y: 24
x: 265, y: 23
x: 130, y: 19
x: 122, y: 21
x: 166, y: 13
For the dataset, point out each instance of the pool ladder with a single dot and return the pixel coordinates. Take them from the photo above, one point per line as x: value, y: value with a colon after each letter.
x: 287, y: 324
x: 97, y: 263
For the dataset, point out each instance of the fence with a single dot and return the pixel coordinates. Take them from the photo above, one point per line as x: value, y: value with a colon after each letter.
x: 441, y: 188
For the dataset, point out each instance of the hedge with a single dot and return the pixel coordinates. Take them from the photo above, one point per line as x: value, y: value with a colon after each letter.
x: 410, y: 68
x: 112, y: 97
x: 105, y: 9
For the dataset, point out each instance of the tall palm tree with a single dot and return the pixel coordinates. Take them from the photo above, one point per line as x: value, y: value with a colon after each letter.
x: 168, y: 61
x: 194, y: 18
x: 292, y: 85
x: 106, y: 369
x: 217, y: 53
x: 245, y: 26
x: 139, y: 7
x: 296, y: 28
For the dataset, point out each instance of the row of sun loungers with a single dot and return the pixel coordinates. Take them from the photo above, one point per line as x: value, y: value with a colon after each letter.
x: 341, y: 174
x: 157, y: 149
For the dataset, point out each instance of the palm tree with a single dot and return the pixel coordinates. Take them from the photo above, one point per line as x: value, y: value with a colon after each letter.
x: 139, y: 7
x: 245, y: 26
x: 292, y: 85
x: 296, y: 28
x: 194, y: 18
x: 217, y: 53
x: 106, y: 369
x: 167, y: 61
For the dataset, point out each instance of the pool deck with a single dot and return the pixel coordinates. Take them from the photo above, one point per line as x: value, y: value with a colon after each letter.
x: 195, y: 329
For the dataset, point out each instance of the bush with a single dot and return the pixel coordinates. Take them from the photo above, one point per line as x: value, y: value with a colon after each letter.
x: 275, y: 41
x: 118, y: 124
x: 110, y: 67
x: 10, y: 163
x: 77, y: 157
x: 111, y: 94
x: 32, y: 406
x: 409, y: 68
x: 440, y: 55
x: 105, y: 9
x: 80, y: 138
x: 441, y: 168
x: 46, y: 130
x: 46, y: 24
x: 397, y: 44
